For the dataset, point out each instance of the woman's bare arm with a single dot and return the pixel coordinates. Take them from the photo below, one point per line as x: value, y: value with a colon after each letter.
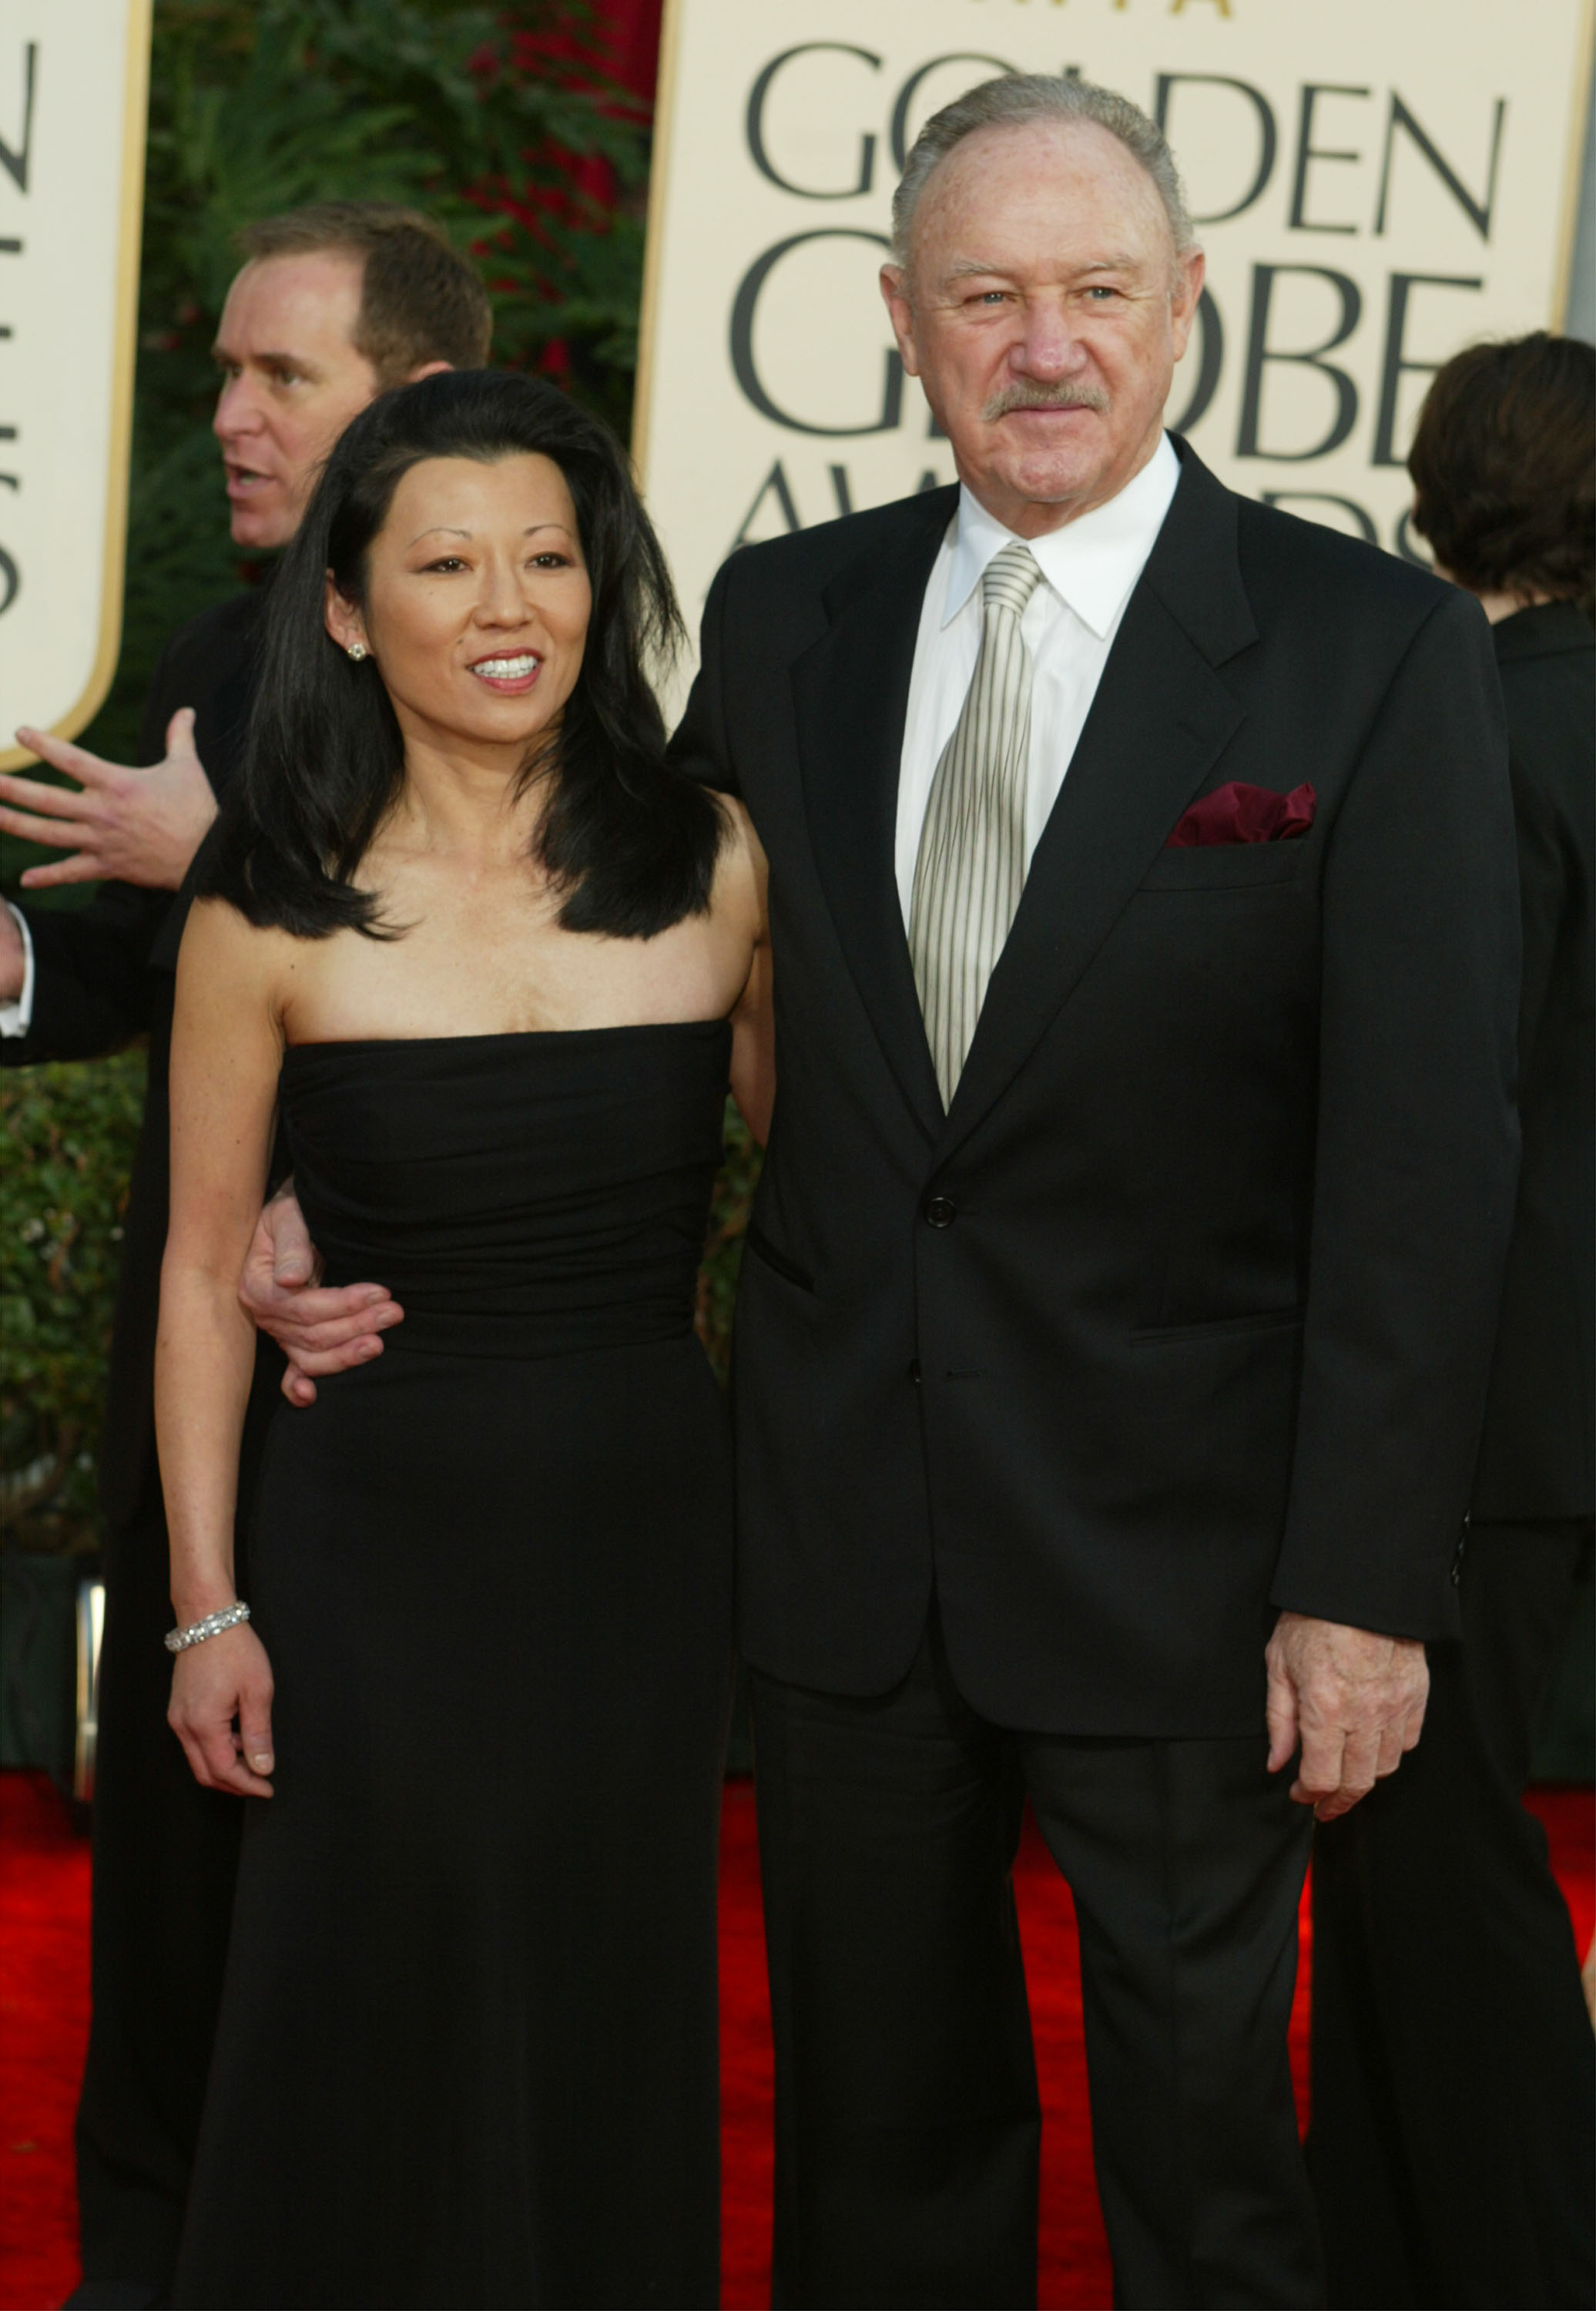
x: 226, y: 1051
x: 753, y: 1023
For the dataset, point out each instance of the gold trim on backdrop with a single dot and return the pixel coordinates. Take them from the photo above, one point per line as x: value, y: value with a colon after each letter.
x: 665, y: 94
x: 1568, y: 224
x: 135, y: 96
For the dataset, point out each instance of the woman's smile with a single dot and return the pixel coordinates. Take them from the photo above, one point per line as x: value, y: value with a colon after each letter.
x: 509, y: 673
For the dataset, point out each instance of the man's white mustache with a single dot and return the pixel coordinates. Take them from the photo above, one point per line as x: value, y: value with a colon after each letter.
x: 1040, y: 396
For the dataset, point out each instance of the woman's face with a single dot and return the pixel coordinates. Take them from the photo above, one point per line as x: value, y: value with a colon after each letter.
x: 477, y: 601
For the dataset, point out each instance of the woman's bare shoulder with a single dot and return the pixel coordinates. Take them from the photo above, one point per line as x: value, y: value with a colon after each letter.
x: 226, y: 958
x: 217, y: 929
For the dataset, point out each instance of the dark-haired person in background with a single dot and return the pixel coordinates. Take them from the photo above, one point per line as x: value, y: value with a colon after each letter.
x: 492, y: 960
x: 333, y: 305
x: 1453, y: 2145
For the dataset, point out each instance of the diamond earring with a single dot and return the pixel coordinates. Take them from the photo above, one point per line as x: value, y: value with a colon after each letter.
x: 357, y: 651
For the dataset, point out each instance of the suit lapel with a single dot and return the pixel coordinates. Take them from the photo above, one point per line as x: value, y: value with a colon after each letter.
x: 1159, y: 720
x: 850, y: 696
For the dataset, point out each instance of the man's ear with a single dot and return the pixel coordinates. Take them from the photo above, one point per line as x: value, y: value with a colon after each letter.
x: 895, y: 292
x: 427, y: 369
x: 1189, y: 270
x: 342, y: 619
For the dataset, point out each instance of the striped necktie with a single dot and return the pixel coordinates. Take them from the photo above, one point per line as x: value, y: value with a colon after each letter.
x: 971, y: 862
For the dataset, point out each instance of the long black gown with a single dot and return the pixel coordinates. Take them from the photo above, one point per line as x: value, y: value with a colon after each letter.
x: 468, y: 2051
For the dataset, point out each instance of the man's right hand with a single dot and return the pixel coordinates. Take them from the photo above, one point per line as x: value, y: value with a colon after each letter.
x: 319, y: 1330
x: 1353, y: 1699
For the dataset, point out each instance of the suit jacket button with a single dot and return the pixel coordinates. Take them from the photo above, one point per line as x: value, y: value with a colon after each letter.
x: 940, y: 1211
x: 914, y: 1370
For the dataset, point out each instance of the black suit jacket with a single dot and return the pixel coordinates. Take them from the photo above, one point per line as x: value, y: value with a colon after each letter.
x: 1536, y: 1457
x: 105, y: 974
x: 1182, y: 1313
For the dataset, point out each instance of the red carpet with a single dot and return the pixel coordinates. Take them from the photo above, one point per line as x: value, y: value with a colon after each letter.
x: 44, y: 2019
x: 44, y: 1900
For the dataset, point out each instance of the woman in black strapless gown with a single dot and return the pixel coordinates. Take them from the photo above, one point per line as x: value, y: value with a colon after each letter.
x: 467, y: 2045
x: 467, y: 2051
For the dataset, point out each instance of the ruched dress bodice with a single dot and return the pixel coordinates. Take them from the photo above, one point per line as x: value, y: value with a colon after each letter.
x: 520, y: 1195
x: 467, y: 2045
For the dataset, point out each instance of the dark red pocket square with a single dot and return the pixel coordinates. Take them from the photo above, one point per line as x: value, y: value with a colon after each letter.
x: 1243, y: 814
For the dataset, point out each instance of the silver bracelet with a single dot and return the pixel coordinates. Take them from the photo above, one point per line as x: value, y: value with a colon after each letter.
x: 177, y: 1641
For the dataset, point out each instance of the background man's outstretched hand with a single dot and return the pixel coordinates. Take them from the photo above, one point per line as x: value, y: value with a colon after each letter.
x: 320, y: 1329
x: 131, y: 826
x: 1353, y: 1700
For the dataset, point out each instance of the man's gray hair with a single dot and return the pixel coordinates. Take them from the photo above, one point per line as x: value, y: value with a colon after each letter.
x: 1016, y: 101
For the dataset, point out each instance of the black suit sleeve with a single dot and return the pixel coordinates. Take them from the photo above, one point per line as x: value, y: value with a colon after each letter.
x: 161, y: 702
x: 90, y: 988
x: 700, y: 746
x: 1417, y: 1146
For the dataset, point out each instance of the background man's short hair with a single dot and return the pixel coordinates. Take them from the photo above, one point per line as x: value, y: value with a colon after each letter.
x: 1502, y: 464
x: 419, y: 300
x: 1020, y: 100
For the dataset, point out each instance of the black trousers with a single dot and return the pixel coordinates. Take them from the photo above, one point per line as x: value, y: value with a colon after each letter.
x: 1454, y: 2143
x: 165, y: 1859
x: 907, y: 2122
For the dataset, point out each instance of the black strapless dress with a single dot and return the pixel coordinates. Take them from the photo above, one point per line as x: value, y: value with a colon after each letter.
x: 468, y: 2050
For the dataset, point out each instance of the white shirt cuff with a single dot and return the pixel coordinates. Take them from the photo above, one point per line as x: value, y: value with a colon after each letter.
x: 16, y: 1018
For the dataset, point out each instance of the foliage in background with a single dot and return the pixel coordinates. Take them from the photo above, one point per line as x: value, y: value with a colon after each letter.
x: 69, y: 1135
x: 723, y: 1250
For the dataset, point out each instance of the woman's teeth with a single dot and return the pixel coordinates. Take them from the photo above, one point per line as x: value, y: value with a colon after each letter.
x: 506, y: 670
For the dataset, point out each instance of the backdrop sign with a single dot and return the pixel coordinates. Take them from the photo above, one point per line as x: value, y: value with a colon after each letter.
x: 73, y: 85
x: 1375, y: 186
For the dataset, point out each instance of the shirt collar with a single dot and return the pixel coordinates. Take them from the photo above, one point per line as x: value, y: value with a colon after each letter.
x: 1091, y: 563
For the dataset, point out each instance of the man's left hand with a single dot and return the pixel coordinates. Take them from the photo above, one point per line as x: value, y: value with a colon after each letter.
x: 131, y: 826
x: 1354, y: 1701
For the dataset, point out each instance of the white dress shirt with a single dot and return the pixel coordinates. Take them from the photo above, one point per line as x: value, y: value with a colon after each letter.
x: 16, y: 1018
x: 1090, y: 568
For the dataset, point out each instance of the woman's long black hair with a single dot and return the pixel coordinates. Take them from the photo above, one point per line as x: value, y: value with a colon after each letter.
x: 629, y: 843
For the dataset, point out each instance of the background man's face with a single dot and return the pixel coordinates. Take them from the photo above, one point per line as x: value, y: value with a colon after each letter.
x: 291, y: 381
x: 1044, y: 309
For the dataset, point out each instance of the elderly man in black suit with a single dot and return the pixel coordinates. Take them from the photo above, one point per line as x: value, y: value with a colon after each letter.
x: 1113, y: 1329
x: 334, y: 304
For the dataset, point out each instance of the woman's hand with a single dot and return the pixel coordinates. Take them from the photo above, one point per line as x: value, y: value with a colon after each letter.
x: 224, y: 1678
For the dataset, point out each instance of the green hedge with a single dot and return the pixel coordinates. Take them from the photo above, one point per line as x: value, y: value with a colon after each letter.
x: 66, y: 1141
x: 723, y: 1252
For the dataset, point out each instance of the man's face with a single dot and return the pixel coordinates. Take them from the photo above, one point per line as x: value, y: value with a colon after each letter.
x: 291, y: 381
x: 1044, y: 309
